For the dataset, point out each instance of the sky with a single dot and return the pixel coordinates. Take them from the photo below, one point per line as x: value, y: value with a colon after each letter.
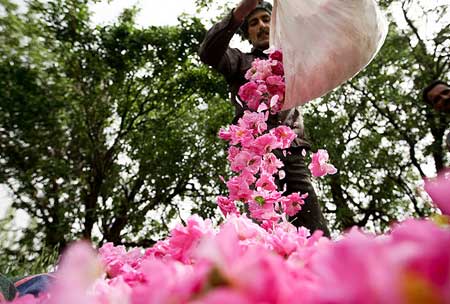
x: 156, y: 12
x: 153, y: 12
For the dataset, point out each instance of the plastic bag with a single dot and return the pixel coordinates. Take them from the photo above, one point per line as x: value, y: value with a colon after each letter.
x: 324, y: 43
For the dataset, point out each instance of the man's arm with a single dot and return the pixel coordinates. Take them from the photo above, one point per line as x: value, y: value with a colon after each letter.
x: 215, y: 50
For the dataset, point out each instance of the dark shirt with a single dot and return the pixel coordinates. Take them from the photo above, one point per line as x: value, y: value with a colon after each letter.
x: 233, y: 64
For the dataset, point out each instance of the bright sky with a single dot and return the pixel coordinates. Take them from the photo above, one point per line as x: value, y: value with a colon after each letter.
x: 153, y: 12
x: 156, y: 12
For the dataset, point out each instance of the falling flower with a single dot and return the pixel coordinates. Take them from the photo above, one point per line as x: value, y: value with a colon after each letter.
x: 319, y: 164
x: 439, y: 190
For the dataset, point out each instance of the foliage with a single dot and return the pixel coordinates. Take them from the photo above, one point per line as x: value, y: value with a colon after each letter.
x: 105, y: 132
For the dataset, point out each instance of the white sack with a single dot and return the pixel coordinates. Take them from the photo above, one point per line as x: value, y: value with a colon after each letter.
x: 324, y: 43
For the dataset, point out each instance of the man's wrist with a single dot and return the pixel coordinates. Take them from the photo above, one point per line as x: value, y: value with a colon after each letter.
x: 238, y: 15
x: 244, y: 8
x: 233, y: 23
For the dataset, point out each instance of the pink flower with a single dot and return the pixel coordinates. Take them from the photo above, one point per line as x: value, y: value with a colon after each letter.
x: 254, y: 121
x: 269, y: 197
x: 293, y: 203
x: 284, y: 239
x: 245, y: 228
x: 248, y: 90
x: 416, y: 266
x: 439, y: 191
x: 250, y: 270
x: 169, y: 281
x: 261, y: 276
x: 266, y: 182
x: 183, y: 240
x: 79, y: 269
x: 113, y: 291
x: 262, y: 87
x: 349, y: 271
x: 250, y: 94
x: 159, y: 250
x: 240, y: 161
x: 232, y: 152
x: 285, y: 135
x: 226, y: 205
x: 275, y: 104
x: 420, y: 249
x: 239, y: 189
x: 277, y: 68
x: 224, y: 134
x: 28, y: 299
x: 260, y: 70
x: 247, y: 160
x: 276, y: 55
x: 222, y: 249
x: 223, y: 295
x: 262, y: 206
x: 247, y: 176
x: 319, y: 166
x: 265, y: 144
x: 117, y: 260
x: 271, y: 164
x: 253, y: 93
x: 262, y: 107
x: 263, y: 212
x: 275, y: 85
x: 240, y: 135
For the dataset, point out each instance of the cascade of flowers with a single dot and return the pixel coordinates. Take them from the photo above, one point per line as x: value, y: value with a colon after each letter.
x: 252, y: 145
x: 241, y: 262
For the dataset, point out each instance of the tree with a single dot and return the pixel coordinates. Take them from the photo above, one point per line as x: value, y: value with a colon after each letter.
x: 105, y: 131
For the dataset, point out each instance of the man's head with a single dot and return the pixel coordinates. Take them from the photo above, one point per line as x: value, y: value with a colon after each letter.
x: 256, y: 26
x: 437, y: 94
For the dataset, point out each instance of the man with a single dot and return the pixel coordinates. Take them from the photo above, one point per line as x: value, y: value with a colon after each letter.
x: 437, y: 94
x: 251, y: 18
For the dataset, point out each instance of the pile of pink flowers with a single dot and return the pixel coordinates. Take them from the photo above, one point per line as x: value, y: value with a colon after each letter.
x: 242, y: 262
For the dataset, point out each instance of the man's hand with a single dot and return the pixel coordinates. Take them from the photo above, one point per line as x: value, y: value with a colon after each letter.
x: 244, y: 8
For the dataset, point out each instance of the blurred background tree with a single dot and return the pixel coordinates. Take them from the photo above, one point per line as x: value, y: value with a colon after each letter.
x: 109, y: 132
x: 106, y: 132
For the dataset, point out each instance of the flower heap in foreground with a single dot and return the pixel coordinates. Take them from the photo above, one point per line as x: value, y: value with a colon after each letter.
x: 240, y: 262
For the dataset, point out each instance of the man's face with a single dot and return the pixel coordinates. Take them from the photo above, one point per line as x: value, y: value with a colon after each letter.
x: 439, y: 97
x: 259, y: 29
